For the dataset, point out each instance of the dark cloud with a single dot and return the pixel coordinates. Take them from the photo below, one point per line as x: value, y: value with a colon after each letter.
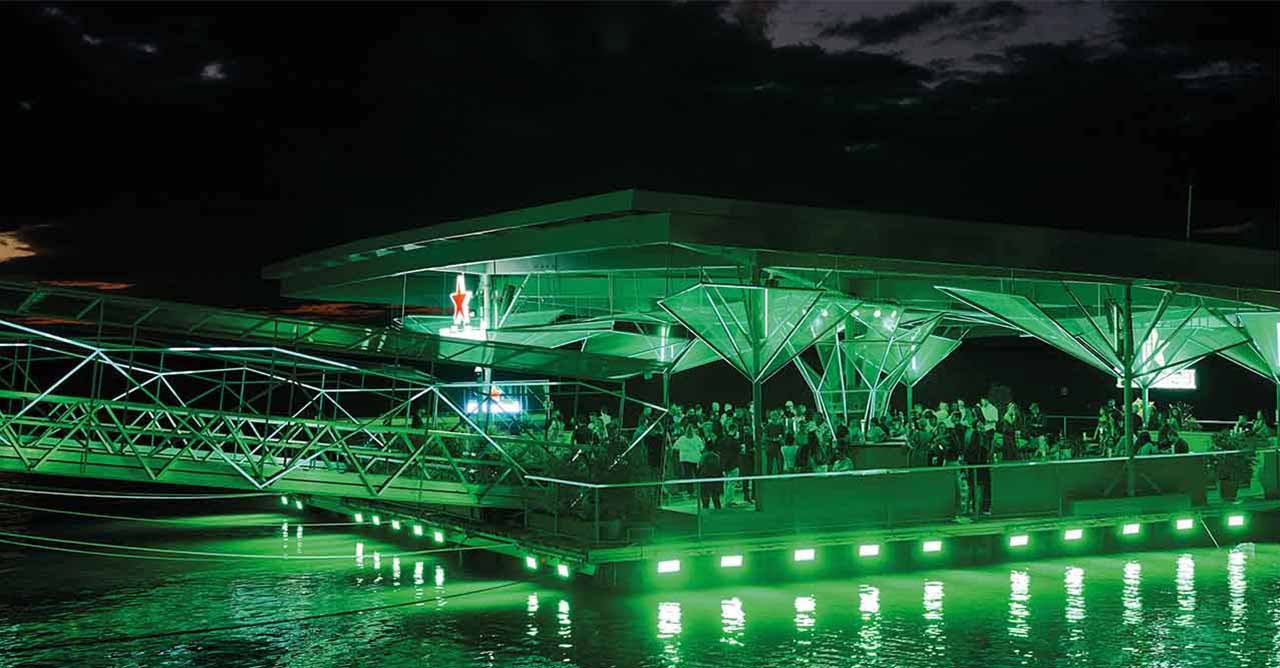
x: 986, y: 22
x: 882, y: 30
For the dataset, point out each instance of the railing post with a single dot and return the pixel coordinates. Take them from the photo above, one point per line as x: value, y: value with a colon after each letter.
x: 595, y: 491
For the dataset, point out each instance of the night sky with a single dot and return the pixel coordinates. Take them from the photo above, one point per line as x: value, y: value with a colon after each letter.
x: 178, y: 148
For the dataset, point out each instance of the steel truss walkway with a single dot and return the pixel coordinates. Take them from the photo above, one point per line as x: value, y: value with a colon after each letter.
x: 251, y: 417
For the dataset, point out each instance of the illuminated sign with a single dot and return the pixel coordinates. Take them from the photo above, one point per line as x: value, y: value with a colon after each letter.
x: 1180, y: 380
x: 462, y: 314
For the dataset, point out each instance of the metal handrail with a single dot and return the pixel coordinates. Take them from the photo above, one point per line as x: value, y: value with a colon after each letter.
x: 896, y: 471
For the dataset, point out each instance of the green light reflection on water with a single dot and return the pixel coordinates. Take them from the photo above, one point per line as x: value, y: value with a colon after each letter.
x: 1131, y: 596
x: 565, y: 630
x: 1237, y: 587
x: 418, y: 578
x: 1073, y: 585
x: 869, y: 636
x: 806, y: 609
x: 1185, y: 582
x: 669, y: 629
x: 1019, y: 597
x: 733, y: 620
x: 934, y: 631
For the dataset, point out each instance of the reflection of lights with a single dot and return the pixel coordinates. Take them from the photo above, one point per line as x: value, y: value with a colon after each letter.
x: 669, y: 620
x: 733, y: 620
x: 439, y: 575
x: 395, y: 569
x: 1131, y: 596
x: 532, y: 604
x: 418, y: 578
x: 1186, y: 585
x: 933, y: 600
x: 1073, y: 581
x: 1019, y: 596
x: 360, y: 553
x: 566, y: 624
x: 805, y: 606
x: 868, y: 600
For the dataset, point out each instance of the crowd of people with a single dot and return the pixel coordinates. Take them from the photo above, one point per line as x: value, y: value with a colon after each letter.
x: 717, y: 441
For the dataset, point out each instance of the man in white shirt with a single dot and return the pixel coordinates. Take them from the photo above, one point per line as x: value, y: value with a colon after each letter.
x: 990, y: 415
x: 690, y: 447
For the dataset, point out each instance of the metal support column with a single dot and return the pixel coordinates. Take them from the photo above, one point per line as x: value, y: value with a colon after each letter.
x: 757, y: 432
x: 1130, y: 465
x: 910, y: 388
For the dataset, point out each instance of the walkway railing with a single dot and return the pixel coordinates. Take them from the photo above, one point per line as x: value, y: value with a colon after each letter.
x: 880, y: 498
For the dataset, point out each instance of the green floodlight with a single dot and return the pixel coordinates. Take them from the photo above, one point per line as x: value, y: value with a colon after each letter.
x: 870, y: 550
x: 359, y: 518
x: 377, y: 521
x: 562, y: 570
x: 1073, y: 534
x: 731, y: 561
x: 437, y: 536
x: 1131, y: 529
x: 417, y: 530
x: 530, y: 562
x: 669, y: 566
x: 395, y: 525
x: 298, y: 504
x: 1235, y: 520
x: 284, y: 500
x: 931, y: 546
x: 1019, y: 540
x: 804, y: 554
x: 1184, y: 524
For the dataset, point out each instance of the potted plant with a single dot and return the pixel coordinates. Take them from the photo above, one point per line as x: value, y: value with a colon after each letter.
x: 1234, y: 470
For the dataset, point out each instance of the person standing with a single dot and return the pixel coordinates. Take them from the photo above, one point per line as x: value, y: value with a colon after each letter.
x: 774, y: 431
x: 689, y: 447
x: 729, y: 447
x: 709, y: 467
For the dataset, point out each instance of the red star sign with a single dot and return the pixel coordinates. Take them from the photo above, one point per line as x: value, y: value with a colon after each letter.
x: 461, y: 303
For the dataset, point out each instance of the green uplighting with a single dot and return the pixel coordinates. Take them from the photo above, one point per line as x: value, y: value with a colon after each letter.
x: 1019, y: 540
x: 562, y: 570
x: 1184, y: 524
x: 669, y: 566
x: 284, y: 500
x: 1235, y: 520
x: 417, y: 529
x: 871, y: 550
x: 437, y: 536
x: 731, y: 561
x: 804, y: 554
x: 530, y: 562
x: 395, y: 525
x: 297, y: 504
x: 932, y: 546
x: 1073, y: 534
x: 377, y: 521
x: 1131, y: 529
x: 359, y: 518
